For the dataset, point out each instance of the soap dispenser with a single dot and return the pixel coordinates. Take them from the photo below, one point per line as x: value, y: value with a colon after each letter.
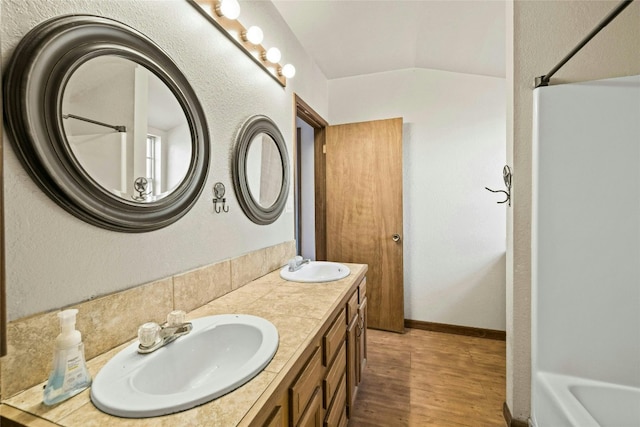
x: 69, y: 375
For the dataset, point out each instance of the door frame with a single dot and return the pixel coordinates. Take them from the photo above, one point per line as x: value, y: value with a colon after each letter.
x: 318, y: 123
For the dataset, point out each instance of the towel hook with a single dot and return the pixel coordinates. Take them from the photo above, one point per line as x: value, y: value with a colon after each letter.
x: 506, y: 176
x: 218, y: 192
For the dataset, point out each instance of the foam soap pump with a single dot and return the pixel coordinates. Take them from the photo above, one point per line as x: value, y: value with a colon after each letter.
x: 69, y: 375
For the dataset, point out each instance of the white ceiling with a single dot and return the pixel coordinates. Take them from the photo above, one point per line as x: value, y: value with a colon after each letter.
x: 353, y: 37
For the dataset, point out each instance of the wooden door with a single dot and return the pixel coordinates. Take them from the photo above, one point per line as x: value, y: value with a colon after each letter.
x: 364, y: 211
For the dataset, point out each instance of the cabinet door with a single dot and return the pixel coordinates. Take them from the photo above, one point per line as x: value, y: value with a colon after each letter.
x: 352, y: 364
x: 362, y: 340
x: 352, y: 307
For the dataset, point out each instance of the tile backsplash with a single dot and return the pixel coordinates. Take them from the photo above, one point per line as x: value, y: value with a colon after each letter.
x: 111, y: 320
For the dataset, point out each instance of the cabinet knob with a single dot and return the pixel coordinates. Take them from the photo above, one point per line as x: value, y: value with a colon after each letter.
x: 396, y: 237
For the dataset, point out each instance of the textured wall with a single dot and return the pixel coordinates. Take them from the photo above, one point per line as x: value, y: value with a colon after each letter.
x: 453, y: 146
x: 541, y: 34
x: 53, y: 259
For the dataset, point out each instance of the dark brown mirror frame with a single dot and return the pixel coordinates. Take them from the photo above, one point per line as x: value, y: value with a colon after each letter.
x: 35, y: 79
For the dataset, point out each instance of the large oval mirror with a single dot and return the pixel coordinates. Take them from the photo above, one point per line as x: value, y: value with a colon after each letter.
x: 261, y: 170
x: 106, y: 123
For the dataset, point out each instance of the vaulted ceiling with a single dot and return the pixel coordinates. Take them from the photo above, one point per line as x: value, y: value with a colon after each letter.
x: 354, y: 37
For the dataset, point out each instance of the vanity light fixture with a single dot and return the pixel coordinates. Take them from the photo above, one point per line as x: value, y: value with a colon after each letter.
x: 222, y: 14
x: 287, y: 71
x: 253, y: 35
x: 272, y: 55
x: 230, y: 9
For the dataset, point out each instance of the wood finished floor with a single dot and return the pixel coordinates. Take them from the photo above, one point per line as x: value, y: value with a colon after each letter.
x: 428, y: 379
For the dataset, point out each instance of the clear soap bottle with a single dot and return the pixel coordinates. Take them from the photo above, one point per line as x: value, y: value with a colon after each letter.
x: 69, y: 375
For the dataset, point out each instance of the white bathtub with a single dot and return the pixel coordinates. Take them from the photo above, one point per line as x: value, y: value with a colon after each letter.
x: 565, y: 401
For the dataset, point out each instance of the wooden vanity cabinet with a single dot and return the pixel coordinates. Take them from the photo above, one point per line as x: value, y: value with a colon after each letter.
x: 322, y: 385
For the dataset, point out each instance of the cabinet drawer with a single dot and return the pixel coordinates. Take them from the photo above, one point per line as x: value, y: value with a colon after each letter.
x: 334, y: 375
x: 333, y: 338
x: 338, y: 408
x: 312, y: 416
x: 276, y: 418
x: 362, y: 290
x: 352, y: 307
x: 302, y: 390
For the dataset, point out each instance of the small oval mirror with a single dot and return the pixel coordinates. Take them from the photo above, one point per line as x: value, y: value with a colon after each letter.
x: 261, y: 170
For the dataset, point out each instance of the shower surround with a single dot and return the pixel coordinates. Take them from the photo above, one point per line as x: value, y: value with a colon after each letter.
x: 586, y: 254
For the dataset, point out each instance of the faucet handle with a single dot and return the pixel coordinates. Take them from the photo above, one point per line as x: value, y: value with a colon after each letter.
x: 176, y: 318
x: 149, y: 334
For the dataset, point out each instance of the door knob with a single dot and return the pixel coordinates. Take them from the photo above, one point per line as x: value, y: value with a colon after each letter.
x: 396, y: 237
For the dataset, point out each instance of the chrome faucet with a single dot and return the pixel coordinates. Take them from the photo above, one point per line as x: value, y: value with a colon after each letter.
x: 296, y: 263
x: 153, y: 336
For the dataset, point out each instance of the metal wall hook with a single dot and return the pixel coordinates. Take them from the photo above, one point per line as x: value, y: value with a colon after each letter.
x: 223, y: 205
x: 218, y: 192
x: 506, y: 176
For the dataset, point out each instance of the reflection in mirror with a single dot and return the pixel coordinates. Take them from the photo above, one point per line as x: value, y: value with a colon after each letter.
x: 264, y: 170
x: 126, y: 128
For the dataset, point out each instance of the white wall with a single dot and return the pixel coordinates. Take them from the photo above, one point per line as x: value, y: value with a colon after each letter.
x: 54, y: 259
x: 454, y: 146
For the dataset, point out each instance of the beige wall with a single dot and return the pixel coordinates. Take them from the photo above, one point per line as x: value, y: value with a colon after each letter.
x: 540, y: 34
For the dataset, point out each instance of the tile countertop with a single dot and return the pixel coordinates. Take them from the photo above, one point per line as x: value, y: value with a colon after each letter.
x: 298, y: 310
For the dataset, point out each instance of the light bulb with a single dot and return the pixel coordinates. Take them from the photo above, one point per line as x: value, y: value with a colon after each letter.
x: 229, y: 9
x: 253, y: 35
x: 288, y: 71
x: 273, y: 55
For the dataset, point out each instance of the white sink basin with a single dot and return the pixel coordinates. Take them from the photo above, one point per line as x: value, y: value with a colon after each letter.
x: 219, y: 355
x: 316, y: 271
